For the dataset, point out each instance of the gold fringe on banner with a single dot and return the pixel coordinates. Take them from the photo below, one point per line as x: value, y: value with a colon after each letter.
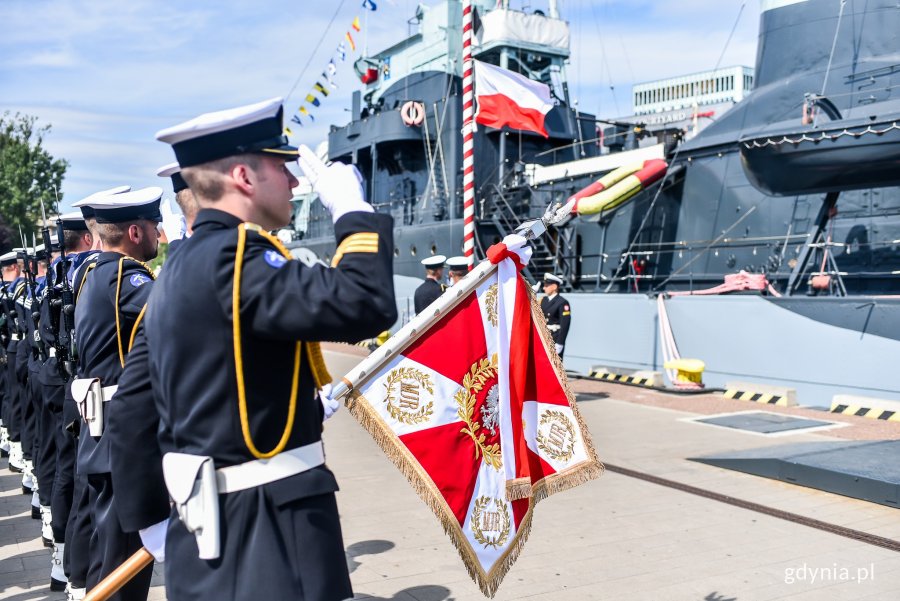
x: 424, y: 486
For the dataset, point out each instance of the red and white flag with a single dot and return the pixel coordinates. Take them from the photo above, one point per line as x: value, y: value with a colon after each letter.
x: 471, y: 402
x: 507, y: 98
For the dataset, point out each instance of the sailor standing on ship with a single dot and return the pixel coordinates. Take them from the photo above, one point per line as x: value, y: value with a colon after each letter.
x: 432, y: 287
x: 556, y: 311
x: 458, y: 268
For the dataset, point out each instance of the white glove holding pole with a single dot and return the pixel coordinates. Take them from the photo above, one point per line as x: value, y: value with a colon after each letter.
x: 173, y: 224
x: 339, y: 186
x: 329, y: 404
x: 559, y: 348
x: 154, y: 539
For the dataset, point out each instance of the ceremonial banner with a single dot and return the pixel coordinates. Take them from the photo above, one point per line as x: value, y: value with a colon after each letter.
x: 471, y: 402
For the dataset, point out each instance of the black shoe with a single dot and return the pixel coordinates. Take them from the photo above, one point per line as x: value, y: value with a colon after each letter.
x: 15, y: 470
x: 57, y: 586
x: 26, y: 490
x: 35, y: 513
x: 47, y: 542
x: 4, y: 453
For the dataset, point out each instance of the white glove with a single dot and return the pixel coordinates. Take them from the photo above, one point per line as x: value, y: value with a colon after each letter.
x: 339, y: 186
x: 173, y: 224
x: 559, y: 348
x: 536, y: 287
x: 329, y: 404
x: 154, y: 539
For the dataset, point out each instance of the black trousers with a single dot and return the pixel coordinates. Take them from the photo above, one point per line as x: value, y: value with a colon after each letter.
x: 293, y: 550
x: 52, y: 394
x: 110, y: 547
x: 22, y: 409
x: 12, y: 417
x: 76, y: 559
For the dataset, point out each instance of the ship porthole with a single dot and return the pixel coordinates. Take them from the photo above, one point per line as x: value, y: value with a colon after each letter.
x: 412, y: 250
x: 396, y: 252
x: 433, y: 249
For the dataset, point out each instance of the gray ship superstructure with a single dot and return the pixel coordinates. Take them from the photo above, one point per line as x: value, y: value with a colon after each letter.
x: 798, y: 181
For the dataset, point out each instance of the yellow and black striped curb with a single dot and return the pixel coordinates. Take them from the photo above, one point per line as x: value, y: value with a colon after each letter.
x: 611, y: 377
x: 757, y: 397
x: 882, y: 414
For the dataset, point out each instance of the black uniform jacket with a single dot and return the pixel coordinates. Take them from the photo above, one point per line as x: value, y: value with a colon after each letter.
x: 134, y: 446
x: 96, y: 335
x: 427, y: 293
x: 556, y: 311
x: 189, y: 334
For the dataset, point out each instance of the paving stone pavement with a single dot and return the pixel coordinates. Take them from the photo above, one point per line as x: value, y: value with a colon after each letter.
x: 616, y: 538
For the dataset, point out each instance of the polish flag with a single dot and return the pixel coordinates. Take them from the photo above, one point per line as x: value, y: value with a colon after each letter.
x: 507, y: 98
x: 471, y: 402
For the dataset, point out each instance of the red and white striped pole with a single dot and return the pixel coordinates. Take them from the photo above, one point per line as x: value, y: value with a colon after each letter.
x: 468, y: 137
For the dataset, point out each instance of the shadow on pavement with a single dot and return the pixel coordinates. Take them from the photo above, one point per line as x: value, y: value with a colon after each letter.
x: 366, y: 547
x: 419, y: 593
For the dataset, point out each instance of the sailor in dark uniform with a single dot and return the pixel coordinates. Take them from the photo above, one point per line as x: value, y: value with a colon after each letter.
x: 71, y: 505
x: 272, y: 529
x: 11, y: 272
x: 432, y: 287
x: 24, y: 409
x: 457, y: 269
x: 45, y: 442
x: 142, y: 501
x: 109, y: 304
x: 54, y: 376
x: 556, y: 311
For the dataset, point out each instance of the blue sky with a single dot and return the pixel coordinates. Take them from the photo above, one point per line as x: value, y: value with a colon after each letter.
x: 108, y: 74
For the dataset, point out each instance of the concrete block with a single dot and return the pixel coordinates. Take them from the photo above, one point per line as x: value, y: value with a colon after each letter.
x: 761, y: 393
x: 863, y: 406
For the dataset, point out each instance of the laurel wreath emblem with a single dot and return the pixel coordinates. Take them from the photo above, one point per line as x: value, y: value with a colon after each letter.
x: 473, y: 382
x: 424, y: 381
x: 478, y: 534
x: 490, y: 304
x: 543, y: 444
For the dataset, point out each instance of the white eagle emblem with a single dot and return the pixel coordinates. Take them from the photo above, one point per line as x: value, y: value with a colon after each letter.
x: 490, y: 411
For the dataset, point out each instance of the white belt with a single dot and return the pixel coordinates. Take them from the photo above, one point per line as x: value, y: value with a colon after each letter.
x: 16, y: 336
x: 263, y: 471
x: 51, y: 352
x: 554, y: 327
x: 108, y: 392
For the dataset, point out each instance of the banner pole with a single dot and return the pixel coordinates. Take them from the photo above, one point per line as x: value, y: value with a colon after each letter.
x: 130, y: 568
x: 417, y: 326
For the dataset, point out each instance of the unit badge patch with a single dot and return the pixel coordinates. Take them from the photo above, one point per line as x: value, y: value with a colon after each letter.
x: 138, y: 280
x: 274, y: 258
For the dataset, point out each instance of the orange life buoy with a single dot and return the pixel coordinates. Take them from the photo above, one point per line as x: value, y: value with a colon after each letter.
x: 413, y: 113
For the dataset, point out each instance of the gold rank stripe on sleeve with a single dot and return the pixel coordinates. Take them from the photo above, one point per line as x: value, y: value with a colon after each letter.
x: 361, y: 242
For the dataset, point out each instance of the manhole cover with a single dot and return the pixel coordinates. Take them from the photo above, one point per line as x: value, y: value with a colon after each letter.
x: 762, y: 422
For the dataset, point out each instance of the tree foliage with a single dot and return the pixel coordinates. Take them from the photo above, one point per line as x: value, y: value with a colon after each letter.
x: 28, y: 173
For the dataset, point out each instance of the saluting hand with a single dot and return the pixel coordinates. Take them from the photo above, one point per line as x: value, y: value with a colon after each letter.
x: 339, y: 186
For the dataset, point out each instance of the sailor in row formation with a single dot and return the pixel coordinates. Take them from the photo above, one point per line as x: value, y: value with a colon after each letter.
x: 184, y: 413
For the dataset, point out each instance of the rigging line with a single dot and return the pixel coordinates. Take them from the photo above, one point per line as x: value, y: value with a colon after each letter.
x: 730, y: 35
x: 649, y: 210
x: 612, y: 88
x: 315, y: 50
x: 837, y: 29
